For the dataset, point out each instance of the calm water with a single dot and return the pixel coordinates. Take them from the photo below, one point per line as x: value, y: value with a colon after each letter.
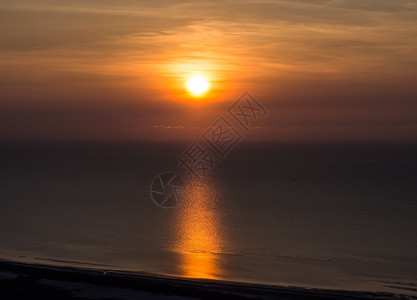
x: 318, y: 215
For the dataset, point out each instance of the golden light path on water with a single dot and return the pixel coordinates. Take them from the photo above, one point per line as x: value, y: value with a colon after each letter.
x: 197, y: 237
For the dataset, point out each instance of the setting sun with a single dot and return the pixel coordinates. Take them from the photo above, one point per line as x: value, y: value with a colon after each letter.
x: 197, y: 85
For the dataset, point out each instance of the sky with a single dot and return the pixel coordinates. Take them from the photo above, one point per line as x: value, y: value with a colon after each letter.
x: 333, y: 70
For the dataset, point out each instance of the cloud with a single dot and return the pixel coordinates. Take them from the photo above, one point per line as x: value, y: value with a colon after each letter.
x: 100, y: 62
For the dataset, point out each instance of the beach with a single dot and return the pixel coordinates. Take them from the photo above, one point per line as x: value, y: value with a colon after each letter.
x: 24, y: 281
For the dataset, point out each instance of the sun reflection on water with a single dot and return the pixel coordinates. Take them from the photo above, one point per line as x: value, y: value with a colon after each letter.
x: 197, y: 228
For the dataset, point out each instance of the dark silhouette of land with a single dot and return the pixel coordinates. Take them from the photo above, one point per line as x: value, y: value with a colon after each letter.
x: 24, y: 281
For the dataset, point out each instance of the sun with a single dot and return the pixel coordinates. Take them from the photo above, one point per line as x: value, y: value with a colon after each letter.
x: 197, y: 85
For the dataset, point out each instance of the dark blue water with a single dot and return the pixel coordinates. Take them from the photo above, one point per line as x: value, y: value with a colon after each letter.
x: 318, y: 215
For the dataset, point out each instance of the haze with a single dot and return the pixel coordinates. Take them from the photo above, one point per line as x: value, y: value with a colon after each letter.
x: 116, y: 70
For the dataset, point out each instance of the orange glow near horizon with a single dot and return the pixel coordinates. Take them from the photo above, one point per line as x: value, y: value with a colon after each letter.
x: 304, y: 61
x: 201, y: 80
x: 198, y: 239
x: 197, y: 85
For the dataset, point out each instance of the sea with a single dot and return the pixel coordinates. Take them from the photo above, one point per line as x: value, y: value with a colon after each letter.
x: 327, y: 215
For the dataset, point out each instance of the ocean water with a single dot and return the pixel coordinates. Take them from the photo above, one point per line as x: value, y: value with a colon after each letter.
x: 339, y: 216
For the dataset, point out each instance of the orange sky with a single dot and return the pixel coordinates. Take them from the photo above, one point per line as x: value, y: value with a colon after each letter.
x: 326, y: 70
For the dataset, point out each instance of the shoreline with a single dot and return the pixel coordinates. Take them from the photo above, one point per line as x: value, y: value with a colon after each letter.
x: 79, y: 283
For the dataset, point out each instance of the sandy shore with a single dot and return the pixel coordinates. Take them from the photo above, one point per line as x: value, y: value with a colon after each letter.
x: 34, y: 281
